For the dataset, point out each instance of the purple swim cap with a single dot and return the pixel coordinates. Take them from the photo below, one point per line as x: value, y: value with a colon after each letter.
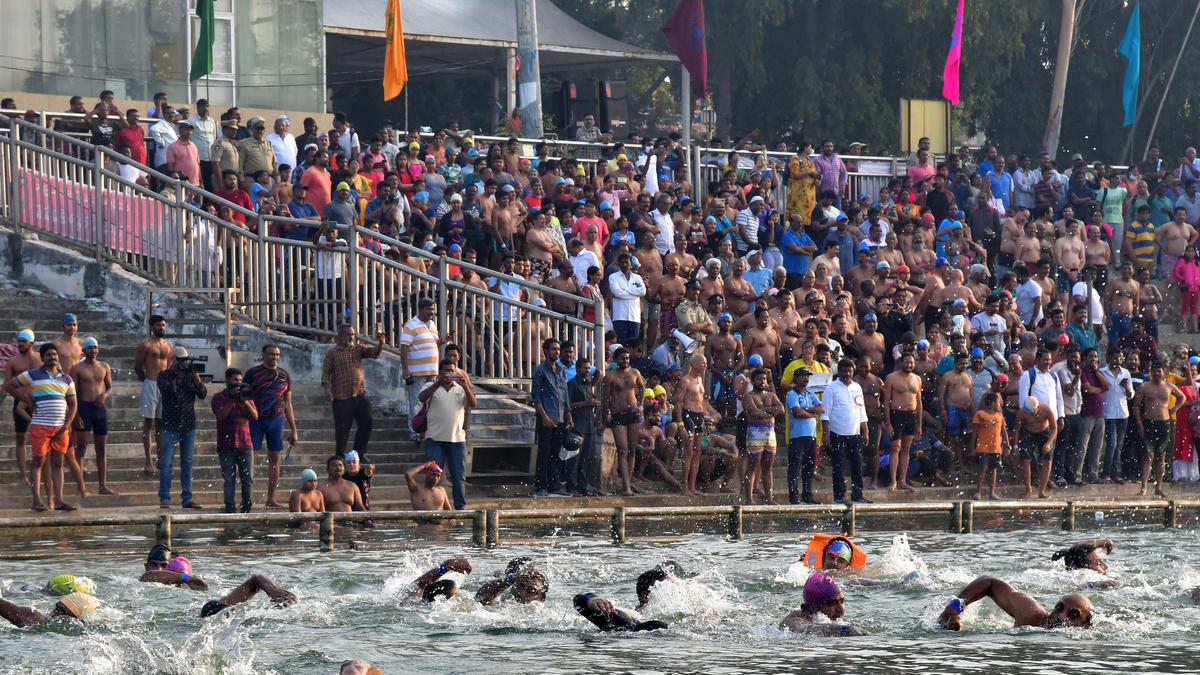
x: 820, y: 589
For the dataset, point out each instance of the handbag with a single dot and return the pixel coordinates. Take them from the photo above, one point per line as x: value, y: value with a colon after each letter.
x: 420, y: 421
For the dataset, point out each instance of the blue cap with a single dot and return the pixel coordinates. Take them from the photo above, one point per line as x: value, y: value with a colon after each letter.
x: 605, y: 206
x: 350, y: 456
x: 26, y: 335
x: 923, y: 344
x: 725, y: 316
x: 977, y: 353
x: 1195, y: 360
x: 90, y: 342
x: 870, y: 316
x: 421, y: 196
x: 755, y: 360
x: 307, y: 475
x: 863, y: 196
x: 69, y: 318
x: 941, y: 262
x: 959, y: 302
x: 959, y: 214
x: 455, y: 248
x: 864, y: 247
x: 842, y: 217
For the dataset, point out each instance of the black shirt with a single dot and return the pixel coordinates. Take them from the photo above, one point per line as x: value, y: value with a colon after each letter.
x: 938, y: 202
x: 179, y: 394
x: 578, y: 391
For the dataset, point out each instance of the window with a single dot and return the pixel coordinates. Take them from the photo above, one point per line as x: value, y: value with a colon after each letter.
x: 220, y: 86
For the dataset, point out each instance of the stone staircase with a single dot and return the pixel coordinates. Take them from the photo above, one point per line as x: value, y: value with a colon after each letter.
x: 501, y: 437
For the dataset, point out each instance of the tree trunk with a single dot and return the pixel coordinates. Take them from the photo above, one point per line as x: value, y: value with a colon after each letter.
x: 1170, y: 79
x: 1058, y: 91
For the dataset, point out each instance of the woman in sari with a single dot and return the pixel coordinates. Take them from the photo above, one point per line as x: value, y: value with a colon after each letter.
x: 1185, y: 464
x: 801, y: 178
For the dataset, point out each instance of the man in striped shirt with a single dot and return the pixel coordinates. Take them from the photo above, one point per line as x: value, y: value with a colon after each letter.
x: 49, y: 394
x: 419, y: 355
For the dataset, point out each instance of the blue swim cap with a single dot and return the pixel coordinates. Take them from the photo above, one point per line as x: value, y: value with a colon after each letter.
x: 755, y: 360
x: 90, y: 342
x: 924, y: 344
x: 870, y: 316
x: 69, y: 318
x: 25, y: 335
x: 307, y: 475
x: 977, y: 353
x: 725, y: 316
x: 941, y: 262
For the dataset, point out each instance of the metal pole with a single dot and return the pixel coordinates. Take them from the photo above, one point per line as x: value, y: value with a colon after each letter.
x: 736, y: 523
x: 618, y: 525
x: 529, y: 75
x: 162, y: 531
x: 1171, y: 515
x: 968, y: 517
x: 326, y: 532
x: 479, y: 528
x: 685, y: 114
x: 180, y: 214
x: 493, y: 528
x: 1068, y: 519
x: 443, y: 297
x: 955, y: 525
x: 850, y: 519
x: 351, y: 287
x: 98, y: 201
x: 264, y: 272
x: 14, y: 133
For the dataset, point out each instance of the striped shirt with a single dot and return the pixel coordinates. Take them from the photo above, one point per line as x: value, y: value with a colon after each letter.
x: 1141, y: 240
x: 50, y: 393
x: 421, y: 338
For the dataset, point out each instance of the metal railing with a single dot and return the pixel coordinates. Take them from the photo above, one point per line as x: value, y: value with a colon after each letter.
x: 90, y: 197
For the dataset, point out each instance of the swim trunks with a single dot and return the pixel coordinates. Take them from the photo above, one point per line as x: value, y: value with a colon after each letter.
x: 1158, y: 437
x: 43, y: 440
x: 1031, y: 447
x: 20, y: 424
x: 623, y: 419
x: 760, y: 437
x: 150, y: 404
x: 693, y: 421
x: 94, y: 418
x: 989, y: 461
x: 959, y: 421
x: 904, y: 423
x: 720, y: 390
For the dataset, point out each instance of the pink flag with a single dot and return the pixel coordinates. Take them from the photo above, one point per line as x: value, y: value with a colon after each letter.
x: 685, y: 34
x: 953, y: 60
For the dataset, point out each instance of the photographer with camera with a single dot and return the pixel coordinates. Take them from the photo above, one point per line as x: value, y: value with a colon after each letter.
x: 234, y: 409
x: 180, y: 387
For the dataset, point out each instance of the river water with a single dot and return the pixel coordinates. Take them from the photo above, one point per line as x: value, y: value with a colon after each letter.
x: 723, y: 612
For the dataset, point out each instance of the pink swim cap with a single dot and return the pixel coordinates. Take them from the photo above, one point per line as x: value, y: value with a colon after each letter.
x: 820, y: 589
x: 180, y: 564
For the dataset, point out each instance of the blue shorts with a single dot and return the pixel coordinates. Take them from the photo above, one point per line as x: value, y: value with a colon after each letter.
x: 958, y: 421
x: 94, y: 418
x: 272, y: 428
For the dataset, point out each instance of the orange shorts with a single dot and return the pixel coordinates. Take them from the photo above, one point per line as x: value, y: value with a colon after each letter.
x: 42, y: 440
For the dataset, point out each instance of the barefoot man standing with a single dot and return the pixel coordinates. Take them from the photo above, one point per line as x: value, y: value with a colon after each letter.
x: 26, y: 359
x: 623, y: 388
x: 689, y: 409
x: 49, y: 394
x: 70, y: 350
x: 153, y: 356
x: 762, y: 406
x: 902, y: 400
x: 1153, y: 411
x: 93, y: 385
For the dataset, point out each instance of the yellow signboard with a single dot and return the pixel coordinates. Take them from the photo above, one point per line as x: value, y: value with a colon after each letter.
x: 925, y: 118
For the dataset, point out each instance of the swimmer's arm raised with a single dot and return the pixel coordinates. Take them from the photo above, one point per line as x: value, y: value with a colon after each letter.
x: 452, y: 565
x: 259, y: 582
x: 491, y: 590
x: 20, y: 616
x: 1024, y: 610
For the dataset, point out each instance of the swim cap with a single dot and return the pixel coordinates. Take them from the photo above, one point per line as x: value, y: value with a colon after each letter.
x: 212, y: 607
x: 1194, y: 360
x: 941, y: 262
x: 342, y: 186
x: 977, y: 353
x: 659, y: 390
x: 350, y: 456
x: 725, y: 316
x: 840, y: 549
x: 307, y: 475
x: 820, y: 589
x: 1001, y: 378
x: 180, y: 564
x: 1030, y: 404
x: 79, y: 604
x: 90, y: 342
x: 64, y: 584
x: 649, y: 393
x: 755, y: 360
x: 870, y: 316
x: 160, y: 554
x: 69, y: 318
x: 923, y: 344
x: 26, y: 335
x: 433, y: 468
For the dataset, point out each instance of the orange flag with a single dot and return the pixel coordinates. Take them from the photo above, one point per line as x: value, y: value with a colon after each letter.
x: 395, y: 69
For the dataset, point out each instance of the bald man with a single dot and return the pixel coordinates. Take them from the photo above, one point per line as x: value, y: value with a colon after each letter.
x: 1072, y: 610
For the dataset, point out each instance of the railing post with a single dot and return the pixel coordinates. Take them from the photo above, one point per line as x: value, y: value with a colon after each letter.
x: 264, y: 271
x: 479, y: 528
x: 493, y: 527
x: 968, y: 517
x: 98, y: 202
x: 14, y: 206
x: 162, y: 531
x: 956, y: 512
x: 1171, y: 515
x: 351, y: 286
x: 443, y: 298
x: 600, y: 357
x: 850, y: 519
x: 326, y: 532
x: 177, y: 236
x: 1068, y: 519
x: 618, y: 525
x: 736, y: 523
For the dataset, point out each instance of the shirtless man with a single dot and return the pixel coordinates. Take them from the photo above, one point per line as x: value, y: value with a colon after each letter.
x: 1072, y: 611
x: 431, y: 496
x: 739, y: 294
x: 158, y: 569
x: 93, y: 385
x: 623, y: 389
x: 727, y: 356
x: 928, y: 308
x: 308, y: 497
x: 689, y: 410
x: 1149, y: 301
x: 1011, y: 230
x: 651, y: 269
x: 870, y: 342
x: 713, y: 283
x: 821, y: 597
x: 872, y: 388
x: 955, y: 290
x: 340, y: 494
x: 567, y: 283
x: 1028, y: 247
x: 1120, y: 299
x: 540, y: 246
x: 762, y: 406
x: 1154, y: 406
x: 1068, y: 253
x: 764, y: 340
x: 902, y: 401
x: 1037, y: 430
x: 70, y: 350
x: 655, y: 451
x: 954, y: 391
x: 153, y: 356
x: 667, y: 292
x: 1173, y: 237
x: 503, y: 221
x: 25, y: 359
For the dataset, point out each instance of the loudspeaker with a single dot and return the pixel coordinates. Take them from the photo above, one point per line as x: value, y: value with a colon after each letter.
x: 614, y: 106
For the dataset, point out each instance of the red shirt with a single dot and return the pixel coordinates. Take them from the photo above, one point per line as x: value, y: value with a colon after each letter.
x: 316, y: 180
x: 239, y: 197
x: 233, y: 432
x: 135, y: 138
x: 579, y: 228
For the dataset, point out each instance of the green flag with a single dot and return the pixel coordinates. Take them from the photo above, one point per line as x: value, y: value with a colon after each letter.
x: 202, y: 58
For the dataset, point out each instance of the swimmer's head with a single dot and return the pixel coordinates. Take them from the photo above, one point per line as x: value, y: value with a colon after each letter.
x: 158, y: 557
x: 444, y: 588
x: 358, y: 667
x: 647, y: 580
x: 1030, y: 405
x: 180, y: 564
x: 1073, y: 610
x: 78, y: 605
x: 1082, y: 557
x: 65, y: 584
x: 517, y: 564
x: 433, y: 474
x: 821, y: 594
x: 308, y: 479
x: 530, y: 585
x: 837, y: 555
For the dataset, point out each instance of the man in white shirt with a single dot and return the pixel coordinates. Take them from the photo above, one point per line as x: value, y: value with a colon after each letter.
x: 1080, y: 295
x: 627, y: 290
x: 448, y: 400
x: 991, y: 324
x: 204, y: 134
x: 845, y: 420
x: 283, y: 142
x: 1029, y: 297
x: 746, y: 238
x: 1116, y: 414
x: 164, y: 134
x: 581, y: 259
x: 1070, y: 431
x: 664, y: 238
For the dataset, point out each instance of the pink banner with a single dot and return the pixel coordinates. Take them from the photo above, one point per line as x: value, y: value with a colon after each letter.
x: 133, y: 224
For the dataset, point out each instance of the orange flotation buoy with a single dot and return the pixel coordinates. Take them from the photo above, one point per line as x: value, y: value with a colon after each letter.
x: 814, y: 556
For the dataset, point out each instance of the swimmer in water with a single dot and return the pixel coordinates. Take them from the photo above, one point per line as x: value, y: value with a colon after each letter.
x: 1072, y: 610
x: 667, y: 569
x: 837, y: 556
x: 359, y: 667
x: 162, y: 569
x: 821, y: 597
x: 75, y: 605
x: 1086, y: 556
x: 608, y: 618
x: 525, y: 582
x: 247, y: 590
x: 430, y: 585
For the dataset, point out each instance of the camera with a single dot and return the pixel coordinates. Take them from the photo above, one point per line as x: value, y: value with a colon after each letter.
x: 240, y: 391
x: 191, y: 365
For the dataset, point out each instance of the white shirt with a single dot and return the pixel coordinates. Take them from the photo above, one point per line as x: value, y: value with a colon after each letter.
x: 982, y: 323
x: 446, y: 413
x: 1045, y: 388
x: 1072, y: 403
x: 1029, y: 302
x: 580, y: 264
x: 627, y: 296
x: 1116, y: 406
x: 348, y: 141
x: 204, y: 134
x: 664, y: 239
x: 285, y: 148
x: 845, y: 408
x: 164, y: 134
x: 1095, y: 308
x: 329, y: 262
